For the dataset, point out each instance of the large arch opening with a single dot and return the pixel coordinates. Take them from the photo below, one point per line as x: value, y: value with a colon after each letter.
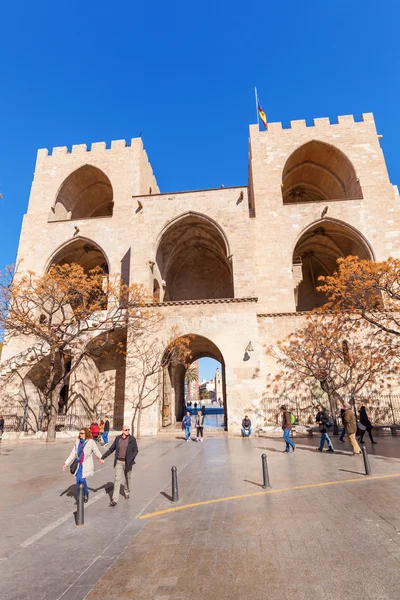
x: 86, y: 254
x: 193, y: 260
x: 317, y: 172
x: 181, y: 392
x: 82, y: 252
x: 316, y: 253
x: 86, y: 193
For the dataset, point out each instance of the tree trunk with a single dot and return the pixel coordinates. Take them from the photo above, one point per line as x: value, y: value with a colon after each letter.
x: 51, y: 427
x: 139, y: 419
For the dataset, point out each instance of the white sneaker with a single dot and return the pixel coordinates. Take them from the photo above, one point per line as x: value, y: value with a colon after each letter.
x: 187, y: 440
x: 201, y: 439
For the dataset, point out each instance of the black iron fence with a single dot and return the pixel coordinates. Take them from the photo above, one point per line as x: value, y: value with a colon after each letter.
x: 382, y: 410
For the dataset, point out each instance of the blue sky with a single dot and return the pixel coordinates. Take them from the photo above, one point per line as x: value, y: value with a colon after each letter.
x: 183, y: 74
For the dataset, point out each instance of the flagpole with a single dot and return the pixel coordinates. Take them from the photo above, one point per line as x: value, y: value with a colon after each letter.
x: 258, y: 116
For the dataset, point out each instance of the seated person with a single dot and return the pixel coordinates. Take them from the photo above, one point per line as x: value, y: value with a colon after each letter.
x: 246, y: 427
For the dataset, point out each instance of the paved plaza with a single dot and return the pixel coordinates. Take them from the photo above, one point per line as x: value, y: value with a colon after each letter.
x: 323, y: 531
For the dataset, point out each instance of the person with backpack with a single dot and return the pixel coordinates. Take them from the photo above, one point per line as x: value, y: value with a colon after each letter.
x: 325, y: 422
x: 187, y: 425
x: 287, y: 427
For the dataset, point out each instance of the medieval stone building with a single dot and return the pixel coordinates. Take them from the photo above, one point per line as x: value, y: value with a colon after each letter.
x: 236, y: 267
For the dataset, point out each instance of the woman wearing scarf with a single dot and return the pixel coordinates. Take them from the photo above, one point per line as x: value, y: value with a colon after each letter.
x: 83, y: 451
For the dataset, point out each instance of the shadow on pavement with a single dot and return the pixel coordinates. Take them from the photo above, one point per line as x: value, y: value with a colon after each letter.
x: 348, y: 471
x: 167, y: 496
x: 253, y: 482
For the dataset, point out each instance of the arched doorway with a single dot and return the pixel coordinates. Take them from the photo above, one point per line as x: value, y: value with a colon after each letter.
x: 317, y: 172
x: 86, y: 193
x: 316, y: 253
x: 193, y: 260
x: 175, y: 389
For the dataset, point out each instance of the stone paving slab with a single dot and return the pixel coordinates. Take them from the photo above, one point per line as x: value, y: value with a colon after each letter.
x: 262, y: 546
x: 324, y: 543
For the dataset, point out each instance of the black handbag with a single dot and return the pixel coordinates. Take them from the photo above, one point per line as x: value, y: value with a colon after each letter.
x: 73, y: 467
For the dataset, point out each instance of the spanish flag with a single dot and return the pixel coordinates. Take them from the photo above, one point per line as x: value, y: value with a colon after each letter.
x: 262, y: 114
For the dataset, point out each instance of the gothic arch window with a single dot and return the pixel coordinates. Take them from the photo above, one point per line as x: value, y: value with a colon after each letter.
x: 192, y: 258
x: 316, y: 253
x: 85, y: 193
x: 317, y: 172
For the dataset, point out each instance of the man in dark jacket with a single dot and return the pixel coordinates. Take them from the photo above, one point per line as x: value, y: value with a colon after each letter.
x: 246, y: 427
x: 1, y: 426
x: 287, y: 427
x: 126, y: 450
x: 323, y: 421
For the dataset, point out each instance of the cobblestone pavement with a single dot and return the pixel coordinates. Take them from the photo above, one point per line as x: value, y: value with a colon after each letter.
x: 324, y: 542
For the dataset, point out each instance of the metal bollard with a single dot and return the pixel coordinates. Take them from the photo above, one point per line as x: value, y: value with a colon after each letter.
x: 175, y: 494
x: 367, y: 466
x: 266, y: 483
x: 80, y: 512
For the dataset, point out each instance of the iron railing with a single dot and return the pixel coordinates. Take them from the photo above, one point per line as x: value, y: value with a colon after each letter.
x: 382, y: 410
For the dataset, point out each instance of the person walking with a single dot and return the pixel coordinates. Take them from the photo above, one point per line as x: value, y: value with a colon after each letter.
x: 324, y: 421
x: 366, y: 426
x: 83, y: 451
x: 126, y: 450
x: 350, y: 423
x: 1, y: 427
x: 343, y: 432
x: 106, y: 432
x: 199, y: 423
x: 187, y: 425
x: 287, y: 427
x: 246, y: 427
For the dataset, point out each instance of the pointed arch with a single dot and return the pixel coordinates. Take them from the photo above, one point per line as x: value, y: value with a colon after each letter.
x: 317, y: 172
x: 80, y: 250
x: 86, y: 193
x: 193, y: 259
x: 316, y: 252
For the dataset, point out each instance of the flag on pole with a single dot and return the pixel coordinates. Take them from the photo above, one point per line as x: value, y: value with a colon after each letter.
x: 262, y: 114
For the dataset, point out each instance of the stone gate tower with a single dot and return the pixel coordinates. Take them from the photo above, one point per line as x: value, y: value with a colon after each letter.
x: 235, y: 267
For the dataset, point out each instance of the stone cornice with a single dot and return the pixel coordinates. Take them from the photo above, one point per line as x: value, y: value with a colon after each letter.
x: 197, y: 302
x: 286, y: 314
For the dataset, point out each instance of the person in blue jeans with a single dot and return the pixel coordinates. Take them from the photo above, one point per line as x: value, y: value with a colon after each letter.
x: 106, y: 432
x: 287, y: 427
x: 187, y: 425
x: 246, y: 427
x: 84, y: 449
x: 323, y: 419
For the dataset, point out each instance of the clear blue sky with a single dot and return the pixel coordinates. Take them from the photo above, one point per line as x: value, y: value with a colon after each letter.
x: 183, y: 74
x: 207, y: 368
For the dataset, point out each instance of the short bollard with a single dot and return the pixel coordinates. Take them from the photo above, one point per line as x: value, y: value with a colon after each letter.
x: 175, y: 494
x: 80, y: 513
x: 366, y: 460
x: 266, y: 483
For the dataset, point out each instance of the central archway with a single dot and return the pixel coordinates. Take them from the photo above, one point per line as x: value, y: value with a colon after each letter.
x: 173, y: 392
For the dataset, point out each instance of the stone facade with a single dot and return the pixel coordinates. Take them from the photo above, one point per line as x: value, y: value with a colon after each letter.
x: 235, y: 267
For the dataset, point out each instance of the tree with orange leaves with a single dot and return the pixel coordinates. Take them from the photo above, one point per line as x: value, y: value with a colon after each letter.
x: 366, y: 290
x: 343, y: 355
x: 65, y: 313
x: 150, y: 354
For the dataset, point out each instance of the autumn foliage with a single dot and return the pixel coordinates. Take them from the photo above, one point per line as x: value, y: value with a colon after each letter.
x: 351, y: 343
x: 66, y: 314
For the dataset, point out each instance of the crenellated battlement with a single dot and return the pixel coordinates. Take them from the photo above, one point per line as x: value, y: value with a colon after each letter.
x: 95, y: 147
x: 318, y: 123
